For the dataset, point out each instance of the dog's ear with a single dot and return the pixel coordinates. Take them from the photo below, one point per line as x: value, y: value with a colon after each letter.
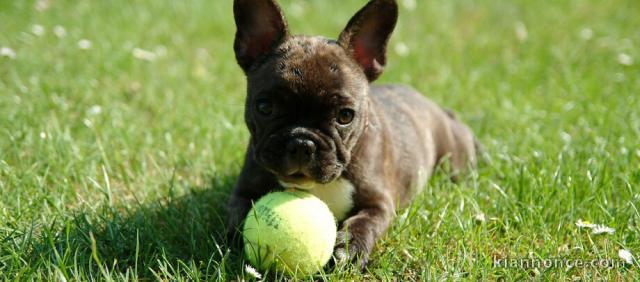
x: 260, y: 27
x: 367, y: 34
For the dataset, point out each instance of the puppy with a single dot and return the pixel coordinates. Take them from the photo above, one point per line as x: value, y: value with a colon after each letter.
x: 318, y: 124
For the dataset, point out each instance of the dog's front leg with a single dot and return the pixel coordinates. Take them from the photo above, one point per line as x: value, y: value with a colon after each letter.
x: 238, y: 208
x: 359, y: 232
x: 253, y: 183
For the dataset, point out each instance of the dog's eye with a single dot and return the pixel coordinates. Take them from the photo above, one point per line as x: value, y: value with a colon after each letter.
x: 345, y: 116
x: 264, y: 107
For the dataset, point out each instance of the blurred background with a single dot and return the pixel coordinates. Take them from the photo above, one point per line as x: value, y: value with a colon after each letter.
x: 127, y: 116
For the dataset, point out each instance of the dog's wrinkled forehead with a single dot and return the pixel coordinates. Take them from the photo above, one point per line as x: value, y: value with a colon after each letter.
x: 311, y: 64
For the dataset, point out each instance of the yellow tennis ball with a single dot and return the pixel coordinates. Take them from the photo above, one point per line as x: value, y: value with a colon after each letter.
x: 293, y: 232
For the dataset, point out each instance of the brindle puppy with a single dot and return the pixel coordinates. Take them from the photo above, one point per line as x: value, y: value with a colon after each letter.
x: 318, y: 124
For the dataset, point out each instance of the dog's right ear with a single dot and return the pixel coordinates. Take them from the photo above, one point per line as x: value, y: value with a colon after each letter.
x: 260, y: 27
x: 367, y: 34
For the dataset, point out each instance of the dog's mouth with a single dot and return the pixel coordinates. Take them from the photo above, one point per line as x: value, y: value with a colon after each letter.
x: 298, y: 175
x: 298, y: 180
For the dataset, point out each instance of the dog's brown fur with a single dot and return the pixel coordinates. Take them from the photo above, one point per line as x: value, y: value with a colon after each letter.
x: 387, y: 151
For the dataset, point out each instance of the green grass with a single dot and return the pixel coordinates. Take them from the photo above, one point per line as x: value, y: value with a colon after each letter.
x: 117, y: 168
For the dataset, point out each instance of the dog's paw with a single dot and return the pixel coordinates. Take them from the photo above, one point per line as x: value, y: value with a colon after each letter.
x: 350, y: 250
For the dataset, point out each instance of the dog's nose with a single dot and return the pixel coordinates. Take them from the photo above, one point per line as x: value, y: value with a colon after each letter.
x: 301, y: 149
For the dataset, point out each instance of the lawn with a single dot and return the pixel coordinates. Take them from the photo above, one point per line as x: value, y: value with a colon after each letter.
x: 121, y: 135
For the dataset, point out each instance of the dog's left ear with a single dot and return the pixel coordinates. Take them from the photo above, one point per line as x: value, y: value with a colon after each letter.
x: 261, y: 26
x: 367, y: 34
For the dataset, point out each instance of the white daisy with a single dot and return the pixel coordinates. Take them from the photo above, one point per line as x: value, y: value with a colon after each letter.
x: 584, y: 224
x: 586, y: 33
x: 626, y: 256
x: 595, y: 228
x: 480, y: 217
x: 7, y: 52
x: 84, y: 44
x: 42, y: 5
x: 94, y: 110
x: 624, y: 151
x: 624, y: 59
x: 601, y: 229
x: 401, y: 49
x: 410, y: 5
x: 59, y: 31
x: 144, y: 54
x: 87, y: 123
x: 252, y: 271
x: 521, y: 31
x: 38, y: 30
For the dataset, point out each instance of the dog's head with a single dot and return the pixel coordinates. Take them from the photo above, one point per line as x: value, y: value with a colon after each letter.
x: 307, y: 102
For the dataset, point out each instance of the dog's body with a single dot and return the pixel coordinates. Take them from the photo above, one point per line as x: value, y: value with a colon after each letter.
x: 317, y: 124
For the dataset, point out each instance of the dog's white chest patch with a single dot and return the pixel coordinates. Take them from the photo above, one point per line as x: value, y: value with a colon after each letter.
x: 338, y: 195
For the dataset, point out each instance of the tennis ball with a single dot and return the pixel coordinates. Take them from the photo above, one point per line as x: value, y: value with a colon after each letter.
x: 292, y: 232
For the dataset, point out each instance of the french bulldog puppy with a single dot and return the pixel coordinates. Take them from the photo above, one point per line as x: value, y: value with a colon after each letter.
x: 318, y: 124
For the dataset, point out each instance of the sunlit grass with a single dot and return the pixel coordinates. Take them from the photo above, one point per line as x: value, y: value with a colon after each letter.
x: 121, y: 134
